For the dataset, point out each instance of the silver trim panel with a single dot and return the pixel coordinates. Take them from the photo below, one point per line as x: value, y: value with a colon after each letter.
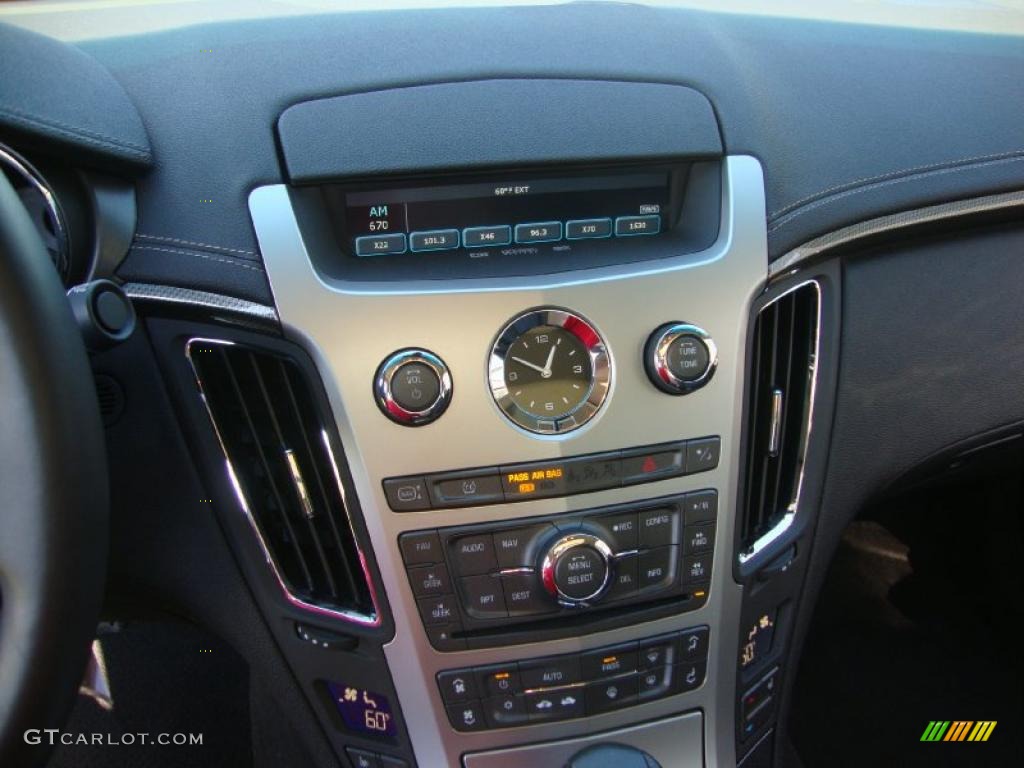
x: 791, y: 261
x: 191, y: 297
x: 714, y: 287
x: 675, y: 742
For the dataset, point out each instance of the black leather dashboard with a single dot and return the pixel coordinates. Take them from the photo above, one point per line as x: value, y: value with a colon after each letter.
x: 849, y: 121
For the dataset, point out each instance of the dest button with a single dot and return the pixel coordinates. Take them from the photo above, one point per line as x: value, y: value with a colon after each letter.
x: 524, y: 595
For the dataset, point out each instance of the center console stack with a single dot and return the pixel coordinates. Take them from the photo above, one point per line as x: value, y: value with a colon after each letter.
x: 530, y: 319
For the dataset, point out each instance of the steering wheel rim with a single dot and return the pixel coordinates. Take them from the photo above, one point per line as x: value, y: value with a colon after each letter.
x: 54, y: 527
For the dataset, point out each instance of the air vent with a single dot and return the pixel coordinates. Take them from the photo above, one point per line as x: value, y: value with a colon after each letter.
x: 279, y: 454
x: 783, y: 364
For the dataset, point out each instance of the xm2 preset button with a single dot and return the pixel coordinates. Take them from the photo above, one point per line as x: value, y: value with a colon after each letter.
x: 627, y: 226
x: 380, y: 245
x: 539, y: 232
x: 435, y: 240
x: 481, y: 237
x: 582, y: 229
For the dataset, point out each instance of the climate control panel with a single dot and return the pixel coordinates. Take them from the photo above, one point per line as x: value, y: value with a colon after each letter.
x: 563, y: 687
x: 498, y: 584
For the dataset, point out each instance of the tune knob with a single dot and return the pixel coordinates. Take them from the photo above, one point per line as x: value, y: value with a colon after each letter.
x: 680, y: 358
x: 412, y: 387
x: 577, y: 569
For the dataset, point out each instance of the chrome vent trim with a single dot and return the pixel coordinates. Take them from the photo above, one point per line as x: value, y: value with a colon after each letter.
x: 59, y: 249
x: 778, y: 437
x: 315, y: 556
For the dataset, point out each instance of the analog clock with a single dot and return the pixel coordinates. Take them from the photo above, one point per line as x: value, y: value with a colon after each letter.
x: 549, y: 371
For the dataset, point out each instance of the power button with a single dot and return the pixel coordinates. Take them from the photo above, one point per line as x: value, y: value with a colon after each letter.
x: 412, y: 387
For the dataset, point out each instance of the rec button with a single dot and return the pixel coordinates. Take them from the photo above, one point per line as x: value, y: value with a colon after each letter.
x: 380, y: 245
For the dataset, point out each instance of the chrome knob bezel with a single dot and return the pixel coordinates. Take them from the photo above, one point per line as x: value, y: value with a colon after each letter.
x: 656, y: 358
x: 564, y: 545
x: 384, y: 395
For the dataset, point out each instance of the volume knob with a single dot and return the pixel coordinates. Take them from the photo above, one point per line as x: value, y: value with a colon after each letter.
x: 577, y: 569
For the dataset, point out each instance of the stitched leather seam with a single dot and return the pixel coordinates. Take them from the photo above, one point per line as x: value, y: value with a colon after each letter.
x: 181, y: 252
x: 208, y: 246
x: 904, y: 171
x: 78, y: 133
x: 941, y: 172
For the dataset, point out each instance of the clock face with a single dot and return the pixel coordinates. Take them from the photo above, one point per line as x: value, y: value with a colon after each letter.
x: 549, y: 371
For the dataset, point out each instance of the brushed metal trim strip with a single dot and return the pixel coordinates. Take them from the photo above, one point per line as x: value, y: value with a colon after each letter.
x: 812, y: 249
x: 172, y: 294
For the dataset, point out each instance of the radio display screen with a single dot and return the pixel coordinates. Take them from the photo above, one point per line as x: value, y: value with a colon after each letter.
x: 502, y: 214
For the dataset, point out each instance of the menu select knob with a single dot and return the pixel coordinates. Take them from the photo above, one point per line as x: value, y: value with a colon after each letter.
x: 577, y: 569
x: 412, y: 387
x: 680, y: 357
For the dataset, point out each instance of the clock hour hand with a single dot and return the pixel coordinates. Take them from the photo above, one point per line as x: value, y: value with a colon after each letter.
x: 547, y: 365
x: 529, y: 365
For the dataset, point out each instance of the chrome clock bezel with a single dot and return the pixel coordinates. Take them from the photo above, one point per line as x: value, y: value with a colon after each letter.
x: 600, y: 366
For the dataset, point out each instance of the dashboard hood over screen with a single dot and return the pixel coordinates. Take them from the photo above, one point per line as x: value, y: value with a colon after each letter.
x: 54, y: 94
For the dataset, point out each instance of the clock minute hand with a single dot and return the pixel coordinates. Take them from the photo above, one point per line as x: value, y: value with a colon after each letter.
x: 529, y: 364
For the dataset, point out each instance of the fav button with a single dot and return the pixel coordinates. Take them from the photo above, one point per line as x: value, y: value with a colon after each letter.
x: 434, y: 240
x: 539, y: 232
x: 581, y: 229
x: 421, y: 548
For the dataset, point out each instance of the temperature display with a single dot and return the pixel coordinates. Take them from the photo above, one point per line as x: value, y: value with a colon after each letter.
x: 364, y: 711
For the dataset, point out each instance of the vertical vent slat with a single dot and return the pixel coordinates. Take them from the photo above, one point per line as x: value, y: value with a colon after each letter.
x: 782, y: 366
x: 273, y: 434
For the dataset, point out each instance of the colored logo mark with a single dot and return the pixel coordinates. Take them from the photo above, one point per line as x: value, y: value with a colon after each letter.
x: 958, y: 730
